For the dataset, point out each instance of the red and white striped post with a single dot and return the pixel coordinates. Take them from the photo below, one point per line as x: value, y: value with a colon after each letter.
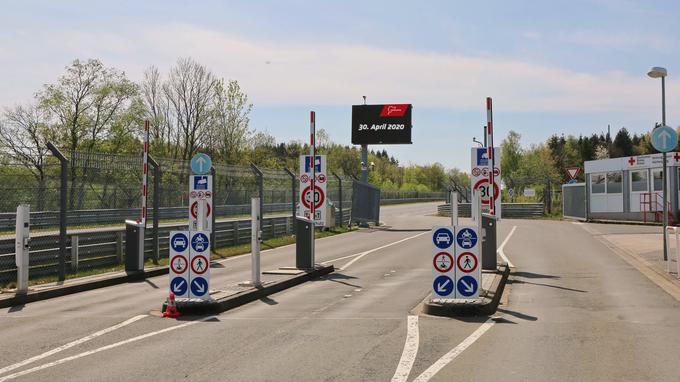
x: 312, y: 148
x: 489, y: 140
x: 145, y: 175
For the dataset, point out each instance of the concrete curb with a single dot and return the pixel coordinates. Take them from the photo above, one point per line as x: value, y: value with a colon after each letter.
x: 486, y: 307
x: 64, y: 290
x: 222, y: 301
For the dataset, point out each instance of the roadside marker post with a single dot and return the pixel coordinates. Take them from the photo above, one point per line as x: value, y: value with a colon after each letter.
x: 454, y: 208
x: 22, y: 244
x: 256, y: 234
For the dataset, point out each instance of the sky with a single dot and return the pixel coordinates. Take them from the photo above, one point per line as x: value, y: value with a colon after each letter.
x: 551, y: 67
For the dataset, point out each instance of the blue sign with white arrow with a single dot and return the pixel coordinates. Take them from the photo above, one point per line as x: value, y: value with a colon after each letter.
x: 443, y: 286
x: 201, y: 163
x: 467, y: 286
x: 664, y: 138
x: 178, y: 286
x: 466, y: 238
x: 199, y: 287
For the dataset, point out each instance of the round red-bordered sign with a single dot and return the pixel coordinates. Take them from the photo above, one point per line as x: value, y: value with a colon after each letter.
x: 496, y: 192
x: 199, y: 264
x: 194, y: 210
x: 467, y: 262
x: 304, y: 178
x: 476, y: 171
x: 304, y: 196
x: 443, y: 262
x: 178, y: 264
x: 321, y: 178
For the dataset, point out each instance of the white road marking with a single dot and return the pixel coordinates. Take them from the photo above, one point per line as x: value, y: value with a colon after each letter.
x: 455, y: 352
x: 359, y: 256
x: 408, y: 356
x: 500, y: 249
x: 101, y: 349
x: 71, y: 344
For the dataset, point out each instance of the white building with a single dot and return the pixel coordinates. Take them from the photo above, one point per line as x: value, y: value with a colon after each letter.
x: 631, y: 188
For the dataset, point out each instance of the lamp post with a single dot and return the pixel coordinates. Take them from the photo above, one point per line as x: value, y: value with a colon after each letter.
x: 658, y: 72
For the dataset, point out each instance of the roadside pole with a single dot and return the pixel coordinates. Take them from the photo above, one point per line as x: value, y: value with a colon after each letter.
x: 454, y: 208
x: 312, y: 204
x: 255, y: 236
x: 364, y: 163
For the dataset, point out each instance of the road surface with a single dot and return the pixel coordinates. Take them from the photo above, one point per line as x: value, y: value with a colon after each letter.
x: 575, y: 311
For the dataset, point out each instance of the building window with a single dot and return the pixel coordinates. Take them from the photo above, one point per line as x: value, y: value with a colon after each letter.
x: 614, y: 182
x: 657, y: 177
x: 597, y: 183
x: 638, y: 181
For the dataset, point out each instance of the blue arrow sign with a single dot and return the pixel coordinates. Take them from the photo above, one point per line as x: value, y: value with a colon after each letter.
x: 467, y: 286
x: 442, y: 238
x: 442, y: 286
x: 178, y: 286
x: 571, y: 181
x: 201, y: 163
x: 467, y: 238
x: 510, y: 192
x: 199, y: 286
x: 179, y: 242
x: 200, y: 242
x: 664, y: 138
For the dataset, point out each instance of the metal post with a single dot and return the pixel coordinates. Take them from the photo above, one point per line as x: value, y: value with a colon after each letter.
x: 214, y: 210
x: 255, y: 236
x: 342, y: 220
x: 454, y: 208
x: 63, y: 194
x: 260, y: 186
x: 74, y: 253
x: 312, y: 204
x: 665, y: 178
x: 364, y: 163
x: 156, y: 208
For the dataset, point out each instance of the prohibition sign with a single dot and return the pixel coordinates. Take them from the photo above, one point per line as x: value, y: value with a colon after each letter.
x: 179, y: 264
x: 319, y: 197
x: 199, y: 264
x: 194, y: 209
x: 443, y: 262
x: 304, y: 178
x: 485, y: 198
x: 467, y: 262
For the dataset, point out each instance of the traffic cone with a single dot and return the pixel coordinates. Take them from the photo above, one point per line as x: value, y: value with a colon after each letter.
x: 170, y: 308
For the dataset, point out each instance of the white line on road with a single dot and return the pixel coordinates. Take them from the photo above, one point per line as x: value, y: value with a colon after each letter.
x: 101, y: 349
x: 455, y: 352
x: 500, y: 249
x: 71, y: 344
x: 408, y: 356
x: 362, y: 254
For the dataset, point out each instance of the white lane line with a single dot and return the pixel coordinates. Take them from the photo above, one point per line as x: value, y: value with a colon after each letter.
x: 500, y: 249
x: 378, y: 249
x: 101, y: 349
x: 71, y: 344
x: 408, y: 356
x: 455, y: 352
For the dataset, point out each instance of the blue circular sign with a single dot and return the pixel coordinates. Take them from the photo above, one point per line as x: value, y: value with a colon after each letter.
x: 664, y: 138
x: 179, y: 242
x: 200, y: 242
x: 442, y: 286
x: 178, y: 286
x: 201, y: 163
x: 199, y: 286
x: 467, y: 238
x: 510, y: 192
x: 442, y: 238
x: 467, y: 286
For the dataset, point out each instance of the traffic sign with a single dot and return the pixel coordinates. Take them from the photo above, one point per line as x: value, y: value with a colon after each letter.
x: 466, y: 238
x: 194, y: 210
x: 467, y: 286
x: 664, y: 138
x: 200, y: 242
x: 573, y: 172
x: 178, y: 264
x: 199, y: 264
x: 201, y: 163
x: 178, y: 286
x: 571, y: 181
x: 200, y: 199
x: 442, y: 238
x: 467, y: 262
x: 443, y: 262
x: 442, y: 286
x: 319, y: 195
x: 179, y: 242
x: 479, y: 178
x: 199, y: 287
x: 510, y: 192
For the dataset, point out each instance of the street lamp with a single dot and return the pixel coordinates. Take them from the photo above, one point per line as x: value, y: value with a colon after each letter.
x: 658, y: 72
x: 477, y: 142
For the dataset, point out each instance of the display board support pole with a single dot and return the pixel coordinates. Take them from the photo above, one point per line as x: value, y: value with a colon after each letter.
x: 256, y: 234
x: 364, y: 163
x: 454, y: 208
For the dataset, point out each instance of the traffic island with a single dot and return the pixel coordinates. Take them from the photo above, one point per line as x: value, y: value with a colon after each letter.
x: 493, y: 284
x: 224, y: 300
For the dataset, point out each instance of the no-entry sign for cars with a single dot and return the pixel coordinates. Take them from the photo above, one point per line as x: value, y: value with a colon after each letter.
x: 381, y: 124
x: 318, y: 196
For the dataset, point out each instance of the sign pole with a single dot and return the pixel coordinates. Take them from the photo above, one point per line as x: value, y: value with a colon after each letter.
x: 255, y: 241
x: 312, y: 147
x: 145, y: 172
x: 489, y: 131
x: 364, y: 163
x: 454, y: 208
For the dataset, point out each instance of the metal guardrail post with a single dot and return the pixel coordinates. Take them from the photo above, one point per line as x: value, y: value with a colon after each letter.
x: 342, y: 221
x: 214, y: 210
x: 293, y: 180
x: 156, y: 208
x: 260, y: 186
x: 63, y: 193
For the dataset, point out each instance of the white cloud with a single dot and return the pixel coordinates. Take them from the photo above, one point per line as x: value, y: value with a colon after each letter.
x: 329, y: 74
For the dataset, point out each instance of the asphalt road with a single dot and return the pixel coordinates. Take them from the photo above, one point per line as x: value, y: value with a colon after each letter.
x: 575, y: 311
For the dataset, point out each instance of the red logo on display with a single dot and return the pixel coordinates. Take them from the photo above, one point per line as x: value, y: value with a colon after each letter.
x: 467, y: 262
x: 394, y: 110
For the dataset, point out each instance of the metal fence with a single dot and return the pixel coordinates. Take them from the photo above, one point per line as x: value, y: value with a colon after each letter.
x: 365, y: 203
x: 508, y: 210
x: 574, y: 201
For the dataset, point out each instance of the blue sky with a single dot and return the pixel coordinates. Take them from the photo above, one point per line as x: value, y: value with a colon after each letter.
x: 557, y: 67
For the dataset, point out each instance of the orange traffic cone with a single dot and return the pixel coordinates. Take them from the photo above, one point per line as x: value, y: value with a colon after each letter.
x: 170, y: 308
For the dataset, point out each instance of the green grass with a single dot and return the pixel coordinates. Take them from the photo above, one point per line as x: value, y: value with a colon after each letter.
x: 217, y: 254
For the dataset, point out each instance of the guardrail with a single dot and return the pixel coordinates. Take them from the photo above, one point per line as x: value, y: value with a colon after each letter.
x: 508, y: 210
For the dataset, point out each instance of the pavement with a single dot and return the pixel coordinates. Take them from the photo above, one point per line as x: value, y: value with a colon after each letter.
x: 574, y: 309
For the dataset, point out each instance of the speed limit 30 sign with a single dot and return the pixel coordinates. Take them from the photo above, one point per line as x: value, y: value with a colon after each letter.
x: 479, y: 176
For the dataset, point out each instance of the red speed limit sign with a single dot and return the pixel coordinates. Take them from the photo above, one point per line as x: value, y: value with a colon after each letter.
x: 483, y: 186
x: 306, y: 197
